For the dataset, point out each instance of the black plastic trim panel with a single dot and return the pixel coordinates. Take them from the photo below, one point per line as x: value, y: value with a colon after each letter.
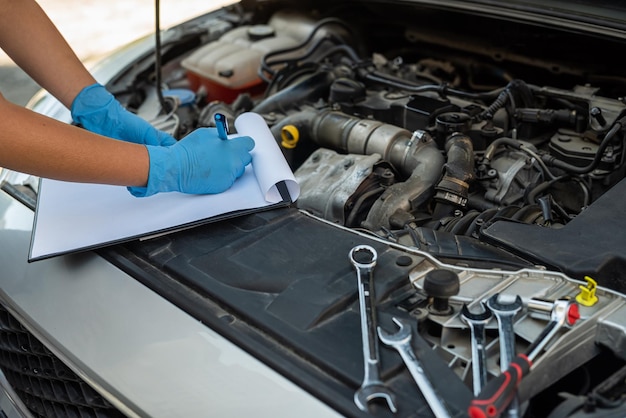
x: 280, y: 285
x: 592, y: 244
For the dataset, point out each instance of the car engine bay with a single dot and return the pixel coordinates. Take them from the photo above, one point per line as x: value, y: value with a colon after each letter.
x: 475, y: 157
x: 445, y: 144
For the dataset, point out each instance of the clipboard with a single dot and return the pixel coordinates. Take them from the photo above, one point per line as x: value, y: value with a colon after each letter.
x: 73, y: 217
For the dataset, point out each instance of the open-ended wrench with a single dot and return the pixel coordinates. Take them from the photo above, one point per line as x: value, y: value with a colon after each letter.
x: 363, y: 258
x: 401, y: 341
x: 477, y: 323
x: 505, y: 313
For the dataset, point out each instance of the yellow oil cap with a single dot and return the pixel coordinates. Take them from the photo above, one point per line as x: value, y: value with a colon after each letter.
x: 289, y: 135
x: 587, y: 295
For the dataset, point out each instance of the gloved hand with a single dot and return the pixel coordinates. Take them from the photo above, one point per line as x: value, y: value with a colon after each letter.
x: 100, y: 112
x: 200, y: 163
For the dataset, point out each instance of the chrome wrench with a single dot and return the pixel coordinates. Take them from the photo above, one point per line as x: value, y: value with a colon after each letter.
x: 564, y: 313
x: 477, y: 323
x: 401, y: 341
x: 363, y: 258
x: 505, y: 313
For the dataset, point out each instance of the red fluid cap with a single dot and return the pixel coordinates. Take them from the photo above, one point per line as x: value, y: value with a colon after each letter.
x: 474, y: 412
x: 573, y: 314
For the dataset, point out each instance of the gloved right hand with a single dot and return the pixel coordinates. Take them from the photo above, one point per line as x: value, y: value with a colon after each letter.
x: 200, y: 163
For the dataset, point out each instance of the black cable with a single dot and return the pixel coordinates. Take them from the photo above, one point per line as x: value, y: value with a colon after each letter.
x: 493, y: 147
x: 552, y: 161
x: 267, y: 64
x: 531, y: 197
x: 307, y: 54
x: 506, y: 98
x: 442, y: 89
x: 157, y: 54
x: 499, y: 103
x: 265, y: 68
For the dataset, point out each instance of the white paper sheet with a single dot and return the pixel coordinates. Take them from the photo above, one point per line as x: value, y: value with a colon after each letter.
x: 77, y: 216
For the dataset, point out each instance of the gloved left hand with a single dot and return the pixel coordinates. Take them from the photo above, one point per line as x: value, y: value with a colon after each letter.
x: 98, y: 111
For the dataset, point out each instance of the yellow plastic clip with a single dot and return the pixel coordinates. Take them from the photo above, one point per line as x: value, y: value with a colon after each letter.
x: 290, y: 136
x: 587, y: 295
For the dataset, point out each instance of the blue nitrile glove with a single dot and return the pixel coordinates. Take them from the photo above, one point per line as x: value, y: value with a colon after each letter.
x: 100, y: 112
x: 200, y: 163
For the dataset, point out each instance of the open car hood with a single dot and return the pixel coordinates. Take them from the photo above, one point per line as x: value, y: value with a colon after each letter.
x: 474, y: 141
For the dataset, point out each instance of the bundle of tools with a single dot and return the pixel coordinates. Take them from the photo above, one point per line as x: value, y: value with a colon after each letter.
x: 491, y: 398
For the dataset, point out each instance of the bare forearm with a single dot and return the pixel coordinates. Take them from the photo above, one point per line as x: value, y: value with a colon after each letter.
x: 40, y: 50
x: 35, y: 144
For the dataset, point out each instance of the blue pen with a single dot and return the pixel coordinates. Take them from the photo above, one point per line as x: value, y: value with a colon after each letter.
x: 222, y: 126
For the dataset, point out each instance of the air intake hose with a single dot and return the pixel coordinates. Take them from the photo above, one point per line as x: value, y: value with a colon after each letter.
x: 453, y: 188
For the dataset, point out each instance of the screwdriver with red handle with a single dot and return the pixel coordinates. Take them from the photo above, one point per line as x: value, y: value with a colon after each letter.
x: 500, y: 391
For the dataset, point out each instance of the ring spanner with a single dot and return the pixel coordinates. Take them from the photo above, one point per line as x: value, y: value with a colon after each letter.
x: 505, y: 313
x: 477, y: 323
x: 363, y: 258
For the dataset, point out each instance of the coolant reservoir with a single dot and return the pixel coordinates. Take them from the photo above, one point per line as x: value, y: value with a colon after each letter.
x: 229, y: 66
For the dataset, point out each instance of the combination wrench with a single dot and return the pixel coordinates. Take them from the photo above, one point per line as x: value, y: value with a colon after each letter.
x: 401, y: 341
x: 477, y: 323
x: 363, y: 258
x: 505, y: 313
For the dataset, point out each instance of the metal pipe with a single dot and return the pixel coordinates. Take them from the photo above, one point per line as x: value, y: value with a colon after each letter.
x: 414, y: 155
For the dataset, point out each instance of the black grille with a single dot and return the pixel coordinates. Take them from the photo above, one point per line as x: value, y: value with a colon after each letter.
x: 46, y: 385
